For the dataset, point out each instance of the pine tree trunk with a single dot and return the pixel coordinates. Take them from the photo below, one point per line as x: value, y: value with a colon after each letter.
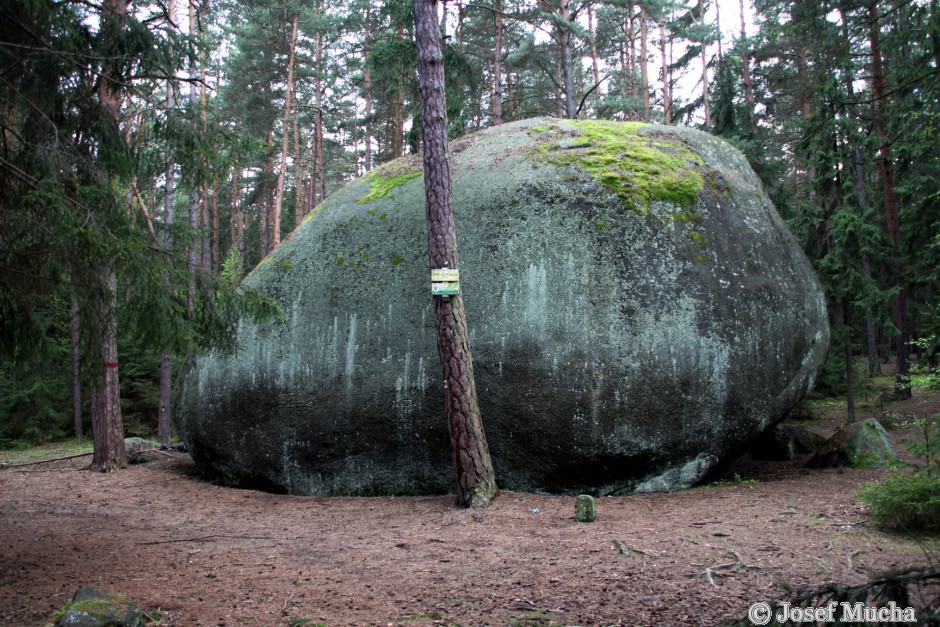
x: 644, y: 61
x: 476, y: 486
x: 192, y: 255
x: 398, y: 127
x: 106, y: 425
x: 107, y: 429
x: 498, y: 64
x: 299, y: 211
x: 746, y: 73
x: 707, y: 107
x: 76, y: 370
x: 633, y: 91
x: 849, y: 359
x: 902, y: 384
x: 206, y: 253
x: 288, y: 91
x: 667, y: 102
x: 367, y: 93
x: 169, y: 201
x: 597, y: 74
x: 215, y: 262
x: 318, y: 127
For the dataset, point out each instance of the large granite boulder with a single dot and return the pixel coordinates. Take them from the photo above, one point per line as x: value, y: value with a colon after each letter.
x: 638, y: 311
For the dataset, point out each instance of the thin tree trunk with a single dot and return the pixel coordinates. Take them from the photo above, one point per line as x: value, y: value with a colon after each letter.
x: 206, y: 256
x: 667, y: 101
x: 367, y: 94
x: 746, y: 73
x: 237, y: 226
x: 849, y: 359
x: 644, y: 61
x: 634, y: 91
x: 398, y: 126
x: 76, y: 370
x: 264, y: 194
x: 476, y: 486
x: 597, y: 74
x: 289, y: 90
x: 299, y: 212
x: 902, y: 383
x: 871, y: 343
x: 214, y: 240
x: 807, y: 174
x: 861, y: 193
x: 318, y: 127
x: 498, y: 64
x: 192, y: 255
x: 708, y: 112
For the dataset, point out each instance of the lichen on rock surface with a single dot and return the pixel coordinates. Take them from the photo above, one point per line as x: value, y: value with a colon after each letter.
x: 638, y: 314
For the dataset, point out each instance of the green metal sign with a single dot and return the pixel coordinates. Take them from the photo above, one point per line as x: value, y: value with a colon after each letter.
x: 445, y: 282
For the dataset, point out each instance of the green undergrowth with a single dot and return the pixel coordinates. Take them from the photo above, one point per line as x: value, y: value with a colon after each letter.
x: 387, y: 177
x: 640, y: 169
x: 906, y: 503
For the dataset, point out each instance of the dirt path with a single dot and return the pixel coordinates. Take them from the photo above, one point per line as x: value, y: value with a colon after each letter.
x: 205, y: 555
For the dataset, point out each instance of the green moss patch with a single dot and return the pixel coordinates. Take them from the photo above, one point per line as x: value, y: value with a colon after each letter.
x: 640, y: 169
x: 385, y: 178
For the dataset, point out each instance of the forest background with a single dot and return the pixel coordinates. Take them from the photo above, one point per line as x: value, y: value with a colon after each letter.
x: 153, y: 152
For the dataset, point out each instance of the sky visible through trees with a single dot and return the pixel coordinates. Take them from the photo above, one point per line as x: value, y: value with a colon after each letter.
x: 149, y: 160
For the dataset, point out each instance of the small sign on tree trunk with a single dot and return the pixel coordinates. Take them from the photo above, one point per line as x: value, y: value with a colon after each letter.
x: 445, y: 282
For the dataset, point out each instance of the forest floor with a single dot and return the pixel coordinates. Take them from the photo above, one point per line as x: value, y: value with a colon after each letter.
x: 192, y: 553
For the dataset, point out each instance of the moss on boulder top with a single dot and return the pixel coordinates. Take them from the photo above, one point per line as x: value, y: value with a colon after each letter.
x: 639, y: 167
x: 638, y: 313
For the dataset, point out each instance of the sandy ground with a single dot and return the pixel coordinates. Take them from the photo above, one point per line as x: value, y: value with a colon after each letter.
x: 193, y: 553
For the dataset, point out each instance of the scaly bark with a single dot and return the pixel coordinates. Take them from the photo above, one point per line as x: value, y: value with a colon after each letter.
x: 76, y: 370
x: 106, y: 424
x: 476, y: 486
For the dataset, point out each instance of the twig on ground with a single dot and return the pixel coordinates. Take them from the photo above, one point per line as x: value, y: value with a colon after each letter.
x: 739, y: 563
x: 850, y: 555
x: 699, y: 523
x: 623, y: 549
x: 203, y: 538
x: 709, y: 569
x: 152, y: 450
x: 287, y: 600
x: 46, y: 461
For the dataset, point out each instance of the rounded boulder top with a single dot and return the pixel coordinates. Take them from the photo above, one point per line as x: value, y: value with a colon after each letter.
x: 638, y: 313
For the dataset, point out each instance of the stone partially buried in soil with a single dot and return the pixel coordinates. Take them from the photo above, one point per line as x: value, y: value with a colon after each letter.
x: 93, y: 607
x: 638, y: 313
x: 863, y: 444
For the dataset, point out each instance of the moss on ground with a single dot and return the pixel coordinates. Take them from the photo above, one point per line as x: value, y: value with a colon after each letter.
x: 385, y: 178
x: 640, y: 169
